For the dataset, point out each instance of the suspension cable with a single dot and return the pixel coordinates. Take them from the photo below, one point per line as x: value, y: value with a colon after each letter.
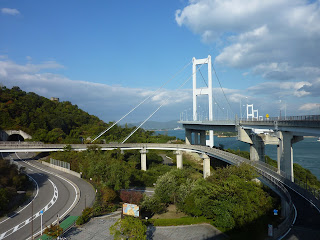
x: 222, y: 89
x: 212, y: 96
x: 157, y: 109
x: 103, y: 132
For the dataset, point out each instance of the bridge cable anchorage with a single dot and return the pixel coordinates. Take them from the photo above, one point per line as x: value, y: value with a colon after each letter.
x: 212, y: 96
x: 170, y: 79
x: 222, y: 88
x: 157, y: 108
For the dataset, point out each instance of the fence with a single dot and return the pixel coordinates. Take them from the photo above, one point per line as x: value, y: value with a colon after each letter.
x: 66, y: 224
x: 60, y: 163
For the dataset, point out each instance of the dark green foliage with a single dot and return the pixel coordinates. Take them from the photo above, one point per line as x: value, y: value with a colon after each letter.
x: 11, y: 181
x: 229, y: 197
x: 301, y: 175
x: 243, y: 154
x: 87, y: 213
x: 153, y: 205
x: 304, y: 175
x: 60, y: 122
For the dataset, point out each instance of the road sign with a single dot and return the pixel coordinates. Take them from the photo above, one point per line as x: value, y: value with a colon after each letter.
x: 267, y: 115
x: 275, y: 212
x: 41, y: 212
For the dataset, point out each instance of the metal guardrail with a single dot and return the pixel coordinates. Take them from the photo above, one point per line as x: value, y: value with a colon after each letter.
x: 285, y: 118
x: 26, y: 143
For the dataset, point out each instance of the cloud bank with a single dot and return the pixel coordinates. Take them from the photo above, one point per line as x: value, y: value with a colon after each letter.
x: 278, y: 39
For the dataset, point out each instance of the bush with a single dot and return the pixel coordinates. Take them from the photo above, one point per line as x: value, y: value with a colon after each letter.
x: 108, y: 195
x: 131, y: 196
x: 153, y: 205
x: 87, y: 213
x: 129, y: 228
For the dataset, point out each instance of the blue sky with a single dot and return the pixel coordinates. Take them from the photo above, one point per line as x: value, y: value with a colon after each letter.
x: 107, y: 56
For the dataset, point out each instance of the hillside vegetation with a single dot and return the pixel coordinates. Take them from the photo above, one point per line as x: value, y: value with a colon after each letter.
x: 59, y: 122
x: 11, y: 181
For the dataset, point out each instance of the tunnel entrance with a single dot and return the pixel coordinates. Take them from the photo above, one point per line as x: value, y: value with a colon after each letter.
x: 15, y: 137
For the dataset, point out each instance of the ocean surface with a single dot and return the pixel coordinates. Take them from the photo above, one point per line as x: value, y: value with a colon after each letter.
x: 306, y: 153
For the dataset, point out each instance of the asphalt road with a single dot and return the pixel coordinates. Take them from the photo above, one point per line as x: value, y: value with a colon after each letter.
x: 307, y: 223
x: 57, y: 193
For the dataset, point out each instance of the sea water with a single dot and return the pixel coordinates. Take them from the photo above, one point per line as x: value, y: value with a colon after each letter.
x: 306, y: 153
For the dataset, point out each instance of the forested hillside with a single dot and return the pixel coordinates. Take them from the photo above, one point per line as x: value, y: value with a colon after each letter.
x: 58, y: 122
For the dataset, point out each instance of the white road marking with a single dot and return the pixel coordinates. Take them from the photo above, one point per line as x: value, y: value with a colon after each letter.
x: 75, y: 187
x: 25, y: 222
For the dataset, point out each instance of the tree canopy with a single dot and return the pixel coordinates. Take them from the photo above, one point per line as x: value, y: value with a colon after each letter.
x: 60, y: 122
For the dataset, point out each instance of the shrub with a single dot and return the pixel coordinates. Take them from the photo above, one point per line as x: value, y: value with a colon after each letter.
x: 131, y: 196
x: 129, y: 228
x: 87, y: 213
x: 108, y: 195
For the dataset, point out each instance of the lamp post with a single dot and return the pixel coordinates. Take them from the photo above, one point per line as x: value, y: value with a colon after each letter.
x: 41, y: 213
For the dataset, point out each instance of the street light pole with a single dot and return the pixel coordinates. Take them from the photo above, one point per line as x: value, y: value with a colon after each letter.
x: 41, y: 213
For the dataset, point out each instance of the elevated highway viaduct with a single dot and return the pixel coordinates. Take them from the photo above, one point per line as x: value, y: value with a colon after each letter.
x: 300, y: 208
x: 281, y: 132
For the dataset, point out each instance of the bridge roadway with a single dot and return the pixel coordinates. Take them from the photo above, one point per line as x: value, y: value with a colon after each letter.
x: 306, y: 218
x: 297, y: 125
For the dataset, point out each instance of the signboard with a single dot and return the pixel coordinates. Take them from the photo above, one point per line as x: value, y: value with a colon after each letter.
x: 130, y: 209
x: 41, y: 212
x: 267, y: 115
x: 275, y: 212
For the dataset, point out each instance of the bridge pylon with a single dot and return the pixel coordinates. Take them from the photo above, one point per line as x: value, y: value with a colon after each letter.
x: 203, y: 91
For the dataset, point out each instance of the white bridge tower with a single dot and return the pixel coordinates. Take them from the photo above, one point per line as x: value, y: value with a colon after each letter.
x: 203, y: 91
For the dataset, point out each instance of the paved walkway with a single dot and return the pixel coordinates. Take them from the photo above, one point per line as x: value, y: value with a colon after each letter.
x: 98, y: 229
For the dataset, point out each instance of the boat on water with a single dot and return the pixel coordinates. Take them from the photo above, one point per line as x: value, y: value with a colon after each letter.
x: 318, y: 139
x: 178, y: 128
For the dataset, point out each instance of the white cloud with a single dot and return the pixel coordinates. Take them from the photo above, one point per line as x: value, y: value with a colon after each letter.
x: 10, y: 11
x: 309, y: 106
x: 282, y: 89
x: 257, y: 34
x: 106, y: 101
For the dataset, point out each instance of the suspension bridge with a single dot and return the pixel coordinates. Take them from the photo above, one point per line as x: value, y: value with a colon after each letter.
x: 253, y: 130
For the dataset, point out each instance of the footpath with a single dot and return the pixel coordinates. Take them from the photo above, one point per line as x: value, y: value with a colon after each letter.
x: 98, y: 229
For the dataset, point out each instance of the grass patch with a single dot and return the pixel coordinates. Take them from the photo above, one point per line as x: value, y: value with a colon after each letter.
x: 180, y: 221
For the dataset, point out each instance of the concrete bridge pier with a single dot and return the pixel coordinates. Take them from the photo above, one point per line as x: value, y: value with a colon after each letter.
x: 188, y: 136
x: 179, y: 159
x: 206, y: 165
x: 257, y: 143
x: 199, y: 137
x: 285, y: 152
x: 211, y: 138
x: 203, y: 138
x: 196, y: 137
x: 257, y: 149
x: 144, y: 159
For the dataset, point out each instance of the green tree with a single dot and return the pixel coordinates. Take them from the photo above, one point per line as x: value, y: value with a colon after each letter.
x: 129, y: 228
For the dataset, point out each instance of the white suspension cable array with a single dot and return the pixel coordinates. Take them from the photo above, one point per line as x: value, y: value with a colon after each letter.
x: 103, y: 132
x: 222, y: 89
x: 157, y: 109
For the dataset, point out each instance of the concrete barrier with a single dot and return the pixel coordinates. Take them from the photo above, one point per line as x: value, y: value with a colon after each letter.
x: 62, y: 169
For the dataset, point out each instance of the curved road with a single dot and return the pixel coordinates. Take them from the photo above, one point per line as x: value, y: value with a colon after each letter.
x: 307, y: 222
x: 57, y: 194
